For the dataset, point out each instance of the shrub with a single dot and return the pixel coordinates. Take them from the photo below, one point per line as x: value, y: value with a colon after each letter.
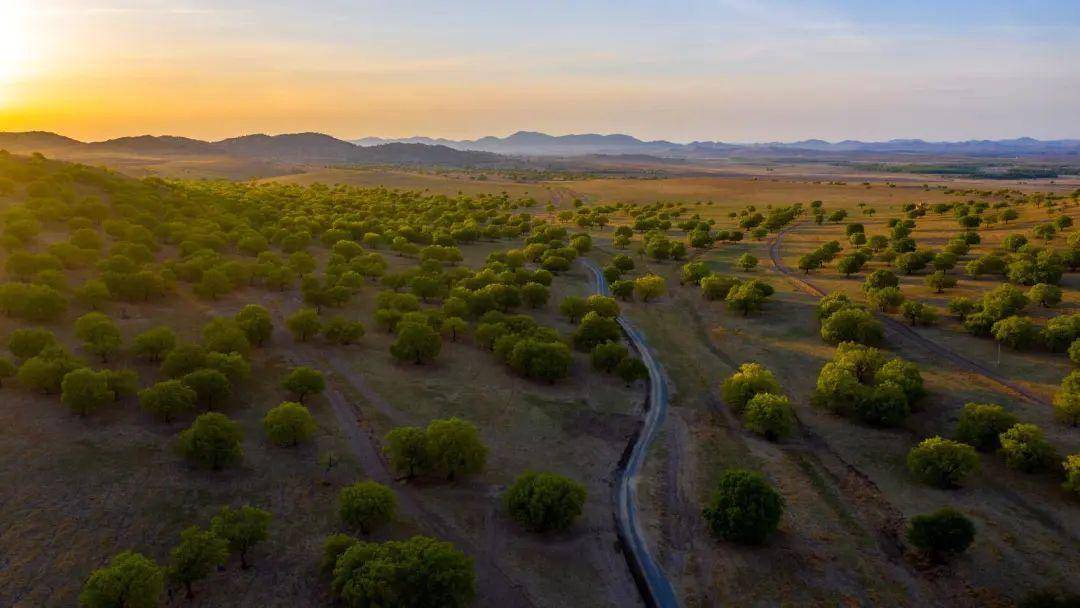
x: 631, y: 369
x: 1026, y: 449
x: 981, y: 424
x: 744, y: 508
x: 941, y: 534
x: 543, y: 502
x: 751, y: 378
x: 1072, y: 474
x: 852, y: 325
x: 942, y: 463
x: 84, y: 390
x: 769, y: 415
x: 366, y: 505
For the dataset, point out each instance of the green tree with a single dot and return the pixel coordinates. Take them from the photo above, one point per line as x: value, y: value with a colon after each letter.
x: 850, y: 264
x: 131, y: 580
x: 154, y: 343
x: 543, y: 502
x: 93, y: 294
x: 939, y: 281
x: 304, y: 324
x: 84, y: 390
x: 918, y: 313
x: 224, y: 335
x: 885, y: 299
x: 746, y: 262
x: 1015, y: 332
x: 289, y: 424
x: 256, y: 323
x: 941, y: 534
x: 210, y: 385
x: 606, y: 356
x: 7, y: 370
x: 367, y: 505
x: 750, y: 379
x: 455, y: 447
x: 99, y: 334
x: 573, y: 308
x: 595, y: 329
x: 1072, y: 474
x: 199, y: 552
x: 649, y: 286
x: 26, y: 342
x: 535, y: 295
x: 407, y: 449
x: 981, y: 424
x: 942, y: 463
x: 416, y: 342
x: 212, y: 441
x: 303, y: 381
x: 168, y: 398
x: 241, y: 528
x: 744, y: 508
x: 183, y: 360
x: 418, y: 572
x: 340, y: 330
x: 769, y: 415
x: 631, y: 369
x: 1026, y: 449
x: 1044, y: 294
x: 852, y: 325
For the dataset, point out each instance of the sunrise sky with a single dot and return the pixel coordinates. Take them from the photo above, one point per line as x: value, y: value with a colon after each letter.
x: 733, y: 70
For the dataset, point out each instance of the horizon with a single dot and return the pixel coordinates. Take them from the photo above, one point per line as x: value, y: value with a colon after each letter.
x: 729, y: 71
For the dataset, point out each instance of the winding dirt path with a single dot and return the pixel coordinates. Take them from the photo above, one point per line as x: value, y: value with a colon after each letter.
x: 898, y: 329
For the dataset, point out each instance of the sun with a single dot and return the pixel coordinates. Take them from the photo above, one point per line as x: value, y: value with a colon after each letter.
x: 14, y: 41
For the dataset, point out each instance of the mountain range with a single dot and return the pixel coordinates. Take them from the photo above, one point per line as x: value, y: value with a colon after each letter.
x: 531, y: 143
x: 295, y: 147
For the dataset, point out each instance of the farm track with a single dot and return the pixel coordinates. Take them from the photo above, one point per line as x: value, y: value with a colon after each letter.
x: 656, y: 590
x: 904, y: 332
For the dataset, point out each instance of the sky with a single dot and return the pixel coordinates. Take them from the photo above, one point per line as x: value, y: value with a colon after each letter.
x: 728, y: 70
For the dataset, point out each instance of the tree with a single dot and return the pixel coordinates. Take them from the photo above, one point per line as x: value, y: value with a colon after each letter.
x: 303, y: 381
x: 918, y: 313
x: 1026, y: 449
x: 606, y: 356
x: 981, y: 424
x: 1072, y: 474
x: 717, y: 287
x: 1067, y: 405
x: 26, y: 342
x: 939, y: 281
x: 256, y: 323
x: 154, y: 343
x: 340, y: 330
x: 961, y: 307
x: 744, y: 508
x: 750, y: 379
x: 168, y: 398
x: 366, y: 505
x: 99, y: 334
x: 942, y: 463
x: 416, y: 342
x: 93, y: 294
x: 746, y: 262
x: 540, y: 359
x: 850, y: 264
x: 746, y: 298
x: 455, y: 448
x: 84, y: 390
x: 941, y: 534
x: 573, y: 308
x: 304, y: 324
x: 210, y: 385
x: 131, y: 580
x: 631, y: 369
x: 544, y: 502
x: 224, y: 335
x: 1044, y: 294
x: 604, y: 306
x: 535, y: 295
x: 45, y: 371
x: 212, y: 441
x: 595, y: 329
x: 7, y: 370
x: 810, y: 261
x: 241, y: 528
x: 1015, y: 332
x: 769, y: 415
x: 199, y: 552
x: 624, y: 290
x: 407, y: 449
x: 885, y: 299
x: 289, y: 424
x: 852, y: 325
x: 183, y: 360
x: 649, y: 286
x: 417, y: 572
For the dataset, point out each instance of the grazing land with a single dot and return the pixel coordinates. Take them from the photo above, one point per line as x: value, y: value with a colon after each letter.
x: 420, y: 296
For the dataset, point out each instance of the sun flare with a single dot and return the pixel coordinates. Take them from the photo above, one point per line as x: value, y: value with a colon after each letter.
x: 13, y: 43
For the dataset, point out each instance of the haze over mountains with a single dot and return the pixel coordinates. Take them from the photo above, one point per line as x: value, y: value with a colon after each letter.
x: 542, y: 144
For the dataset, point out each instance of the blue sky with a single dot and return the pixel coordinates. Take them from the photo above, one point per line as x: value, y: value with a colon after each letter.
x: 731, y: 70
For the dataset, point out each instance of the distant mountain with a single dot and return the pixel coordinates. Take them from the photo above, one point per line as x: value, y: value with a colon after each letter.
x: 531, y: 143
x: 303, y: 148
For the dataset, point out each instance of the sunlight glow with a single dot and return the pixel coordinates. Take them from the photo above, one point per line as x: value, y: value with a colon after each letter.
x: 14, y: 43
